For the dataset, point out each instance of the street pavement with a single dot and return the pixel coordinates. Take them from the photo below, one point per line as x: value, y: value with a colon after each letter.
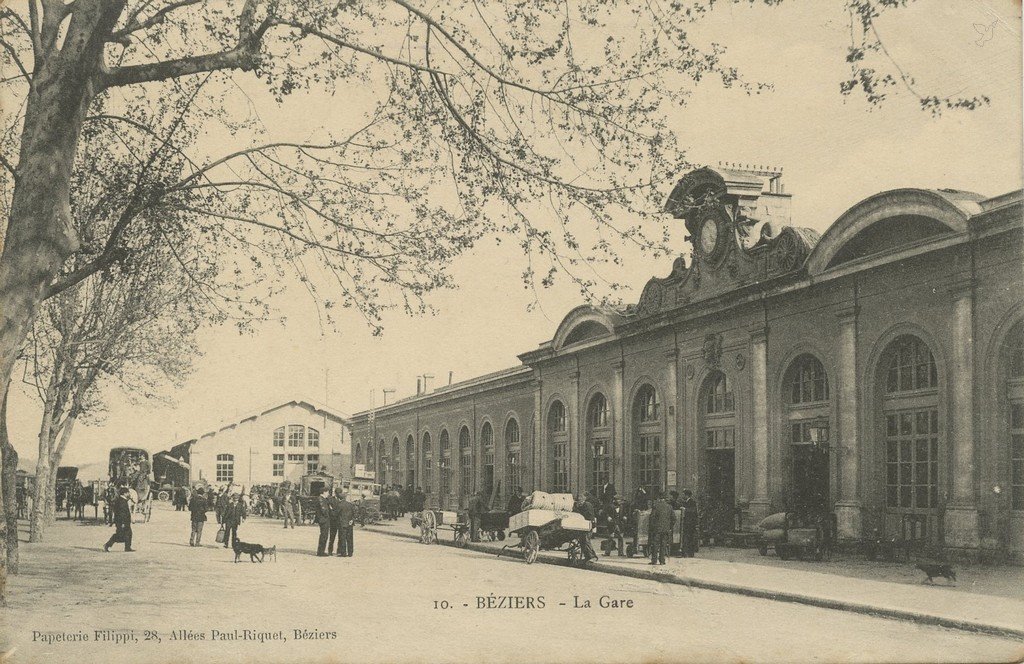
x: 386, y: 604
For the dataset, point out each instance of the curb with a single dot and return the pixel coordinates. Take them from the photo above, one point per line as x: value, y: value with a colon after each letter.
x: 747, y: 591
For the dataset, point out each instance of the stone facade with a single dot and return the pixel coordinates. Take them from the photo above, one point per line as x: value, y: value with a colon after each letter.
x: 874, y: 373
x: 274, y: 444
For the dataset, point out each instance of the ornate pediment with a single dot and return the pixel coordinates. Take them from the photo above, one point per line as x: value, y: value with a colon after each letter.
x: 739, y: 230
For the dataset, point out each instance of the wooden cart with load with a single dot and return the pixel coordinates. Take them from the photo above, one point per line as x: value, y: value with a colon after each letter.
x: 548, y: 523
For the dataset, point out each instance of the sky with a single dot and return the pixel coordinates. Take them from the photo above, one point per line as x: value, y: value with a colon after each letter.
x: 833, y: 151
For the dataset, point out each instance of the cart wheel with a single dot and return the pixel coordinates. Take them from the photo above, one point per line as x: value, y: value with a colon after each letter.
x: 531, y: 547
x: 501, y: 535
x: 575, y: 555
x: 763, y: 549
x: 428, y: 527
x: 163, y: 495
x: 461, y: 538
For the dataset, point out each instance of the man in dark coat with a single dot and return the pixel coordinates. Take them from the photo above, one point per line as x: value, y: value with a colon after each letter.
x: 476, y: 508
x: 334, y: 514
x: 420, y: 499
x: 221, y: 504
x: 232, y: 518
x: 122, y: 522
x: 322, y: 517
x: 346, y: 520
x: 197, y: 507
x: 606, y: 493
x: 659, y: 530
x: 587, y: 512
x: 615, y: 521
x: 689, y: 535
x: 515, y: 501
x: 641, y: 501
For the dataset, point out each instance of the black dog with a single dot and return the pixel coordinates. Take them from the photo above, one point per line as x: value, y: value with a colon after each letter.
x: 937, y: 569
x: 255, y: 551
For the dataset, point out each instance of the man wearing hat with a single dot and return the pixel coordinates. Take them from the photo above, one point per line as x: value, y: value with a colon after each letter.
x: 323, y: 519
x: 659, y: 534
x: 122, y: 521
x: 197, y: 506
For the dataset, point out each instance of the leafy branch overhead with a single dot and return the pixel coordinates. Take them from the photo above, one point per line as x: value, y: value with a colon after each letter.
x: 542, y: 123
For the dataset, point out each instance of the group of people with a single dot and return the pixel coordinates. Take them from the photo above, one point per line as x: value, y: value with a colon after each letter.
x: 336, y: 517
x: 396, y: 501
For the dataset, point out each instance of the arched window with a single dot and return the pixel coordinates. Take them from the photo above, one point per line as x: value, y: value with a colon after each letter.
x: 1013, y: 360
x: 312, y: 437
x: 718, y: 397
x: 718, y: 427
x: 359, y: 454
x: 808, y: 382
x: 428, y: 459
x: 410, y: 462
x: 371, y: 461
x: 225, y: 468
x: 911, y: 426
x: 279, y: 437
x: 911, y: 366
x: 806, y: 421
x: 513, y: 457
x: 599, y: 439
x: 558, y: 434
x: 466, y: 465
x: 296, y: 435
x: 445, y: 469
x: 647, y: 432
x: 487, y: 443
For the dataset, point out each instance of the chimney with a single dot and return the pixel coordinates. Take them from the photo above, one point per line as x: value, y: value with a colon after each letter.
x: 426, y: 382
x: 451, y: 374
x: 419, y: 386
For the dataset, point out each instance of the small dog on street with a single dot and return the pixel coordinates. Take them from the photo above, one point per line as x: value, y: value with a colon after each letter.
x: 933, y: 570
x: 256, y: 552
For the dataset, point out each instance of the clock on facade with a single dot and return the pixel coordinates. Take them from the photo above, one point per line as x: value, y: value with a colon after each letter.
x: 709, y: 236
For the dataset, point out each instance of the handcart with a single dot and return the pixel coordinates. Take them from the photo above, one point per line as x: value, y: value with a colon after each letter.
x: 549, y: 531
x: 430, y: 521
x: 493, y: 525
x: 779, y: 533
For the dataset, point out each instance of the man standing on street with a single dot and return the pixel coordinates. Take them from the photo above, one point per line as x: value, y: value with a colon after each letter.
x: 476, y: 508
x: 197, y: 507
x: 585, y: 510
x: 689, y: 535
x: 323, y: 519
x: 659, y: 535
x: 288, y: 507
x: 221, y: 504
x: 334, y: 514
x: 234, y: 514
x: 346, y: 521
x: 122, y: 522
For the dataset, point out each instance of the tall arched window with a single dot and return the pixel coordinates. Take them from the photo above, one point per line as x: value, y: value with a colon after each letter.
x: 410, y: 462
x: 279, y: 437
x: 487, y: 444
x: 466, y: 466
x: 358, y: 458
x: 444, y: 469
x: 225, y: 468
x: 558, y: 439
x: 381, y: 460
x: 806, y: 422
x: 1014, y: 362
x: 647, y: 432
x: 911, y: 426
x: 371, y: 458
x: 513, y: 457
x: 428, y: 459
x: 599, y: 442
x: 718, y: 426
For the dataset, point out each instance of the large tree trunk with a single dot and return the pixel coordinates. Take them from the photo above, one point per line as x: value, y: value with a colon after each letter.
x: 43, y: 494
x: 40, y: 235
x: 8, y: 494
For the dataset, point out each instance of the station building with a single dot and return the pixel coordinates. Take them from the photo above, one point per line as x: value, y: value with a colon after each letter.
x: 273, y: 444
x: 874, y: 372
